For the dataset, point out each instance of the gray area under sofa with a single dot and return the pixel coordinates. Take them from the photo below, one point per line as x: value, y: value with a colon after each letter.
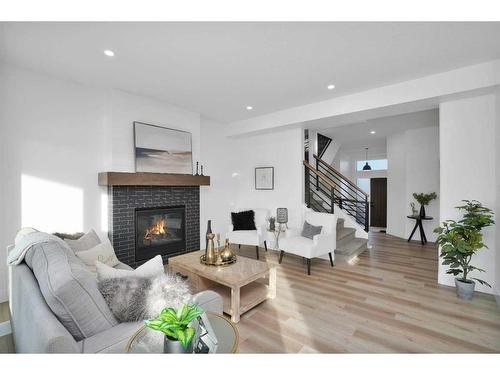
x: 37, y: 330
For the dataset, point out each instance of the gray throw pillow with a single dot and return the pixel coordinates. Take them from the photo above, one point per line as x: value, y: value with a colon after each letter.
x: 69, y: 289
x: 85, y: 242
x: 136, y: 298
x: 310, y: 231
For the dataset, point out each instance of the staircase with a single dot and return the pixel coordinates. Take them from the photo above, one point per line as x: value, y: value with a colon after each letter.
x: 327, y: 190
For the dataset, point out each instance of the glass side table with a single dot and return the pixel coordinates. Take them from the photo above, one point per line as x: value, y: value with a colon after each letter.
x: 277, y: 232
x: 146, y: 340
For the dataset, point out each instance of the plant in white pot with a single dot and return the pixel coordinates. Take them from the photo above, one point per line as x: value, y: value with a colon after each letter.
x: 460, y: 240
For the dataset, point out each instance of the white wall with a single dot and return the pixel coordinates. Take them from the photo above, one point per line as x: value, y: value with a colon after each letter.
x: 413, y: 167
x: 231, y: 165
x: 55, y: 137
x: 467, y: 149
x: 497, y: 208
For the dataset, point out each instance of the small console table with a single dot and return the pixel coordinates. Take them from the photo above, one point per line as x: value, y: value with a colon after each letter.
x: 418, y: 224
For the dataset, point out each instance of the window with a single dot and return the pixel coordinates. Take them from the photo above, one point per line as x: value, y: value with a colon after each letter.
x: 377, y: 165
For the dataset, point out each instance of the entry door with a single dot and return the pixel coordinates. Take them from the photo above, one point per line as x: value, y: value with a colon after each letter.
x: 378, y: 206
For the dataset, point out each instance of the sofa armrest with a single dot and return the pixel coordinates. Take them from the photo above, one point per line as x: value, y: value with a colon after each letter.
x: 209, y: 300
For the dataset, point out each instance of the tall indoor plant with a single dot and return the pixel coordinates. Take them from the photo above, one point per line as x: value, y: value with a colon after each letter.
x: 175, y: 325
x: 460, y: 240
x: 424, y: 200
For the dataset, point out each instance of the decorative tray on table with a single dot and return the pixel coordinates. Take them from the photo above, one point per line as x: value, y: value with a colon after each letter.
x: 219, y: 261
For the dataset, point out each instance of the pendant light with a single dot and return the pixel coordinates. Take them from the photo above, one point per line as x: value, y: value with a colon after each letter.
x: 367, y: 166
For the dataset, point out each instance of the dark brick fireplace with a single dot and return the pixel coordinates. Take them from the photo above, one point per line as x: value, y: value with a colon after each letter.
x: 126, y: 202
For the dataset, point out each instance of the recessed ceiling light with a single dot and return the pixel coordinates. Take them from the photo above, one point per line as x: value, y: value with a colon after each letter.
x: 330, y: 87
x: 373, y: 132
x: 249, y: 107
x: 109, y: 53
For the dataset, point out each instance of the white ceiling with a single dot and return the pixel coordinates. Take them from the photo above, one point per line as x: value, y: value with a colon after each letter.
x: 217, y: 69
x: 358, y: 136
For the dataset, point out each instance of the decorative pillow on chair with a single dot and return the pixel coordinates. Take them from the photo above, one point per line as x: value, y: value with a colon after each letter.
x: 244, y: 220
x: 103, y: 253
x: 85, y: 242
x: 310, y: 231
x: 152, y: 267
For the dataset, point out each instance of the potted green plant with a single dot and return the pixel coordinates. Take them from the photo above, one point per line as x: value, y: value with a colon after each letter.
x: 175, y: 325
x: 424, y: 199
x: 460, y: 240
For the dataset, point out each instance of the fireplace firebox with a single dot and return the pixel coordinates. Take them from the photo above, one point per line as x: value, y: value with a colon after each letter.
x: 159, y: 230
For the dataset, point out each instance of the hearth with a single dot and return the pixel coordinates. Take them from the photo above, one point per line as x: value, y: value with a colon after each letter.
x: 159, y: 230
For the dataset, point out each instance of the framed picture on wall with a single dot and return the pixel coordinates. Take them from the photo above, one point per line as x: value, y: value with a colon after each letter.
x: 264, y: 178
x: 162, y: 150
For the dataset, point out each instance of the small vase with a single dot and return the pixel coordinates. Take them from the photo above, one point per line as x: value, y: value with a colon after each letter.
x: 422, y: 211
x: 465, y: 290
x: 172, y: 346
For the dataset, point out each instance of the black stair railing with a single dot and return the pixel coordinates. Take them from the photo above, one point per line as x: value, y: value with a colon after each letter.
x: 325, y: 187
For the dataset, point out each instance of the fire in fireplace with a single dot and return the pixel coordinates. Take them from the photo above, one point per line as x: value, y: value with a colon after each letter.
x: 159, y: 230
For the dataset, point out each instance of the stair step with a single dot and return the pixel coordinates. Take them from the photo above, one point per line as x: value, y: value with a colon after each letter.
x: 350, y: 251
x: 340, y: 223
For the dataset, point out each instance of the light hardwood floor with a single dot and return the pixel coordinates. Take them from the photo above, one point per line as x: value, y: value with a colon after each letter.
x: 389, y: 301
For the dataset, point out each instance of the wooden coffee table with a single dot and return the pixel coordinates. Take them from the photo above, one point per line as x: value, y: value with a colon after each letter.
x: 242, y: 285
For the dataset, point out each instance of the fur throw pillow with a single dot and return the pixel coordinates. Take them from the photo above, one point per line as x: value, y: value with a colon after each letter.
x: 132, y: 299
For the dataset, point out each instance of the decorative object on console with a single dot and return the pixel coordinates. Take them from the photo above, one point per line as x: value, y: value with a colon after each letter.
x: 424, y: 200
x: 202, y: 171
x: 460, y: 240
x: 162, y: 150
x: 209, y: 230
x: 414, y: 211
x: 197, y: 174
x: 227, y: 254
x: 282, y: 216
x: 264, y: 178
x: 175, y: 325
x: 132, y: 299
x: 243, y: 220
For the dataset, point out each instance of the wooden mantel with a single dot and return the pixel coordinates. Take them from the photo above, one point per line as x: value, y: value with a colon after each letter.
x: 151, y: 179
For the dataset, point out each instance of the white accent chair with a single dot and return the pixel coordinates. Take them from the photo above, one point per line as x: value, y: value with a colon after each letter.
x: 321, y: 244
x: 251, y: 237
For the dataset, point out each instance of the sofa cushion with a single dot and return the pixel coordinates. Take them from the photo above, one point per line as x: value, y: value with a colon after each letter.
x: 152, y: 267
x: 69, y: 289
x: 85, y: 242
x: 103, y: 253
x: 244, y: 220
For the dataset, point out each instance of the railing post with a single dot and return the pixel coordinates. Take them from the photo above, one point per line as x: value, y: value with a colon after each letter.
x: 307, y: 191
x: 367, y: 214
x: 317, y: 177
x: 333, y: 201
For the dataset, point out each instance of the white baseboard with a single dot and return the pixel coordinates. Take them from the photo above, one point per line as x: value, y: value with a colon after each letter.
x: 5, y: 328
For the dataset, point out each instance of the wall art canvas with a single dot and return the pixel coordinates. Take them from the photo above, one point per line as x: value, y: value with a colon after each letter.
x: 264, y: 178
x: 162, y: 150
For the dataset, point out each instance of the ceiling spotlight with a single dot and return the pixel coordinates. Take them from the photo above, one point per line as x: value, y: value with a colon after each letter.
x: 330, y: 87
x: 109, y: 53
x: 249, y: 107
x: 373, y: 132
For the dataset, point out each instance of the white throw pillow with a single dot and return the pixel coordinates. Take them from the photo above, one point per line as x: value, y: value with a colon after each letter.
x: 103, y: 253
x: 85, y: 242
x: 151, y: 268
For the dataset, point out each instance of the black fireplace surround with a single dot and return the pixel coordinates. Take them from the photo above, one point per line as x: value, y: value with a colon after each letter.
x: 145, y: 221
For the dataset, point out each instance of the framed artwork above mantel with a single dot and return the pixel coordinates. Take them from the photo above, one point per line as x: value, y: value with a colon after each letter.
x: 162, y: 150
x: 264, y: 178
